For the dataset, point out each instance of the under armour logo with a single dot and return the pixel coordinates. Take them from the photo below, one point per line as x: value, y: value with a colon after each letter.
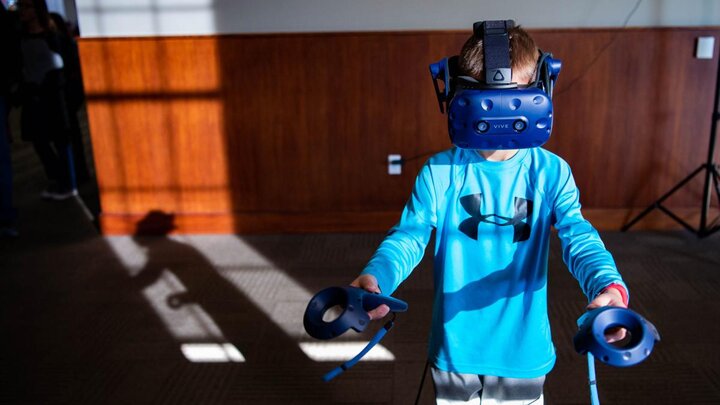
x: 472, y: 204
x: 499, y: 77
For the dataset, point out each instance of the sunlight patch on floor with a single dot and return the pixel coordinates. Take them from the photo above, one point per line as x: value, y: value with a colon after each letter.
x: 343, y: 351
x: 212, y: 353
x: 282, y: 299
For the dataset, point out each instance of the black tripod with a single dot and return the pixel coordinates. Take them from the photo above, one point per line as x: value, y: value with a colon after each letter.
x: 711, y: 172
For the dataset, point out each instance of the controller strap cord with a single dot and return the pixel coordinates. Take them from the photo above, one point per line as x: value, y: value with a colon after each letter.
x: 594, y: 399
x: 375, y: 340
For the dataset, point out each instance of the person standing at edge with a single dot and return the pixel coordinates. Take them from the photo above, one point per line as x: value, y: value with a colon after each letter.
x: 44, y: 120
x: 9, y: 72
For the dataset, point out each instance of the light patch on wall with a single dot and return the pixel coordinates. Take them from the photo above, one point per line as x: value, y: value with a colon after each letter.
x: 184, y: 3
x: 119, y: 18
x: 176, y: 22
x: 247, y: 16
x: 212, y: 353
x: 343, y: 351
x: 142, y: 4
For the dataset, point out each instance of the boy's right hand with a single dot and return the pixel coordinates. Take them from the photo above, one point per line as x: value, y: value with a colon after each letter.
x: 369, y: 283
x: 610, y: 297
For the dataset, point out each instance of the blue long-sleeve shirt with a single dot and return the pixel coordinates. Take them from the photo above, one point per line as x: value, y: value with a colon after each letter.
x: 492, y: 222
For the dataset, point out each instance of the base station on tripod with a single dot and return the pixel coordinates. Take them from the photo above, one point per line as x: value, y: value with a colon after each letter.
x: 712, y: 180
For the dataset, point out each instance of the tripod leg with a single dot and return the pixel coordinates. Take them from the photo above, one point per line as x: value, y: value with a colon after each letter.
x: 714, y: 226
x: 640, y: 216
x: 657, y: 204
x: 707, y: 197
x: 716, y: 181
x: 678, y: 219
x: 422, y: 382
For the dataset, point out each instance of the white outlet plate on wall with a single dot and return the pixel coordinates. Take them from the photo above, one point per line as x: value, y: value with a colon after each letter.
x: 393, y: 167
x: 705, y: 47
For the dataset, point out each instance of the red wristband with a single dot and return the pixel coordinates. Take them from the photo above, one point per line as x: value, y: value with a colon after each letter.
x: 619, y: 288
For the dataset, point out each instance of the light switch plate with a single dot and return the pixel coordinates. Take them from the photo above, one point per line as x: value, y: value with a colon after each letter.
x: 705, y: 47
x: 394, y: 164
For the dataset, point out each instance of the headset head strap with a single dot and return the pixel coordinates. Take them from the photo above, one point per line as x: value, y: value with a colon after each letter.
x: 496, y: 50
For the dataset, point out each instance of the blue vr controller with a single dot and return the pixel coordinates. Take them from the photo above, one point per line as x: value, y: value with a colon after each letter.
x: 590, y: 340
x: 355, y: 302
x: 591, y: 336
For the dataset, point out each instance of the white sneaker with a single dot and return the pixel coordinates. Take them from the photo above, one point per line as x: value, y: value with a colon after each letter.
x: 58, y: 195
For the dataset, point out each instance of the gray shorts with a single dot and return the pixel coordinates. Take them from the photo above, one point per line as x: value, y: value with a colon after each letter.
x: 457, y: 388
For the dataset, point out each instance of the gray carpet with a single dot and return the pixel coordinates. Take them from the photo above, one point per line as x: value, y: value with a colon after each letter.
x: 217, y: 319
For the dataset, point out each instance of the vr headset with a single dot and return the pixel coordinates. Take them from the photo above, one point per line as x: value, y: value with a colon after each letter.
x: 496, y: 113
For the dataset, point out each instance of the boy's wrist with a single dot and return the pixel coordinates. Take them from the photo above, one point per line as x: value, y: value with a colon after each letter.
x: 620, y: 289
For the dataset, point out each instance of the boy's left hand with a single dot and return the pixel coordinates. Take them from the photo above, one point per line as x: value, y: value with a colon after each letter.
x: 610, y: 297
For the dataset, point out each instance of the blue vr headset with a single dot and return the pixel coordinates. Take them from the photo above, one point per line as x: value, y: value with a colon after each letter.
x: 496, y: 113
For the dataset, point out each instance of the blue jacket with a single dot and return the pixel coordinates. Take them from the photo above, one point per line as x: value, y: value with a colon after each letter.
x: 492, y: 222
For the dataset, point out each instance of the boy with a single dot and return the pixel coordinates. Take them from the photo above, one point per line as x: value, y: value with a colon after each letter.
x: 492, y: 211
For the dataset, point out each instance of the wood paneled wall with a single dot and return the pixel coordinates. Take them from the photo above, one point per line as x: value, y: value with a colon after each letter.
x: 291, y: 132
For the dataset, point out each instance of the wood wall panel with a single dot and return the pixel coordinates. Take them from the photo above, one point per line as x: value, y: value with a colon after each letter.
x: 270, y: 133
x: 638, y: 121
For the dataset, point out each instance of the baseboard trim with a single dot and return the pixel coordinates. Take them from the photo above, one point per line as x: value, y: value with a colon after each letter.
x: 252, y: 223
x: 615, y: 219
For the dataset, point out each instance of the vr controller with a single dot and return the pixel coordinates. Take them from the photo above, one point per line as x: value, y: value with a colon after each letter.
x: 496, y: 113
x: 590, y: 340
x: 355, y: 302
x: 591, y: 336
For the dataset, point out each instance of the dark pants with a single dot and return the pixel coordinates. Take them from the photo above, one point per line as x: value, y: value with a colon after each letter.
x: 55, y: 161
x: 78, y: 150
x: 7, y: 211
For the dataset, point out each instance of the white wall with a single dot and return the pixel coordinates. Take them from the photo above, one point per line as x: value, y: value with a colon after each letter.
x: 113, y: 18
x: 57, y: 6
